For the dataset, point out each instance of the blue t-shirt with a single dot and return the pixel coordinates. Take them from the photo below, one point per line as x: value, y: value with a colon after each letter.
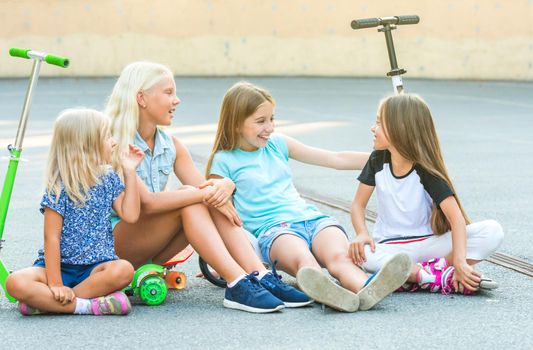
x: 265, y: 193
x: 86, y: 235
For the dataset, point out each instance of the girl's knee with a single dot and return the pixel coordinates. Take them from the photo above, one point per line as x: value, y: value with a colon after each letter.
x: 337, y: 263
x: 121, y: 271
x: 194, y: 209
x: 374, y: 260
x: 493, y: 232
x: 16, y: 284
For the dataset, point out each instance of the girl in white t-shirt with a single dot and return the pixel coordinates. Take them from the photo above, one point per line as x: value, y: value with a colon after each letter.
x: 419, y: 212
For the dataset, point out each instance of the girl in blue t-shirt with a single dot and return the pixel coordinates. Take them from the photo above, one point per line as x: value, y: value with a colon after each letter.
x: 292, y: 233
x: 419, y: 212
x: 77, y: 270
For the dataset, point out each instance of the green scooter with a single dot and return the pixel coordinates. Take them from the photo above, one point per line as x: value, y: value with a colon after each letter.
x: 16, y: 149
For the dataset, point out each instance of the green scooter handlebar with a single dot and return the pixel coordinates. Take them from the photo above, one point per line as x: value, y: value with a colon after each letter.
x: 48, y: 58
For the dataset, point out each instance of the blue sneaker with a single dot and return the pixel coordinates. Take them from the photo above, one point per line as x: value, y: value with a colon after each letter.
x: 290, y: 296
x: 249, y: 295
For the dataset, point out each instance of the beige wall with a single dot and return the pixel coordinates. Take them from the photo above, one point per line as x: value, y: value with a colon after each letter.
x: 465, y: 39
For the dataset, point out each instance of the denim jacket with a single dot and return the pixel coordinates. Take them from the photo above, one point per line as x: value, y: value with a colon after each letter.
x: 157, y: 165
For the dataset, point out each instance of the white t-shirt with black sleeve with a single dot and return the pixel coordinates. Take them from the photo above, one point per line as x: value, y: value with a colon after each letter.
x: 404, y: 202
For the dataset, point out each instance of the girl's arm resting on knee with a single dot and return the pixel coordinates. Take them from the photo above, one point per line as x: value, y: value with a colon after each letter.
x: 215, y: 191
x: 161, y: 202
x: 222, y: 190
x: 188, y: 174
x: 53, y: 223
x: 357, y: 213
x: 345, y: 160
x: 464, y: 273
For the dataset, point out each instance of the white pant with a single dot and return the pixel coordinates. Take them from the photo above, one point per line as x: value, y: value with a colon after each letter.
x: 483, y: 238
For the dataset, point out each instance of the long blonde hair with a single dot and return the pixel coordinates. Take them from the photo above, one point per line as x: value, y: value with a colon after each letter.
x: 240, y: 102
x: 76, y: 159
x: 411, y: 131
x: 122, y: 104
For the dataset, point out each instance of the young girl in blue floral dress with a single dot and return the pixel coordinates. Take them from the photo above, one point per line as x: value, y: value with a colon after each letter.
x: 77, y: 270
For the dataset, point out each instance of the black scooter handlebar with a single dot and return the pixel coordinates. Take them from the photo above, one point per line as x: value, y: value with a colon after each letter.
x: 374, y: 22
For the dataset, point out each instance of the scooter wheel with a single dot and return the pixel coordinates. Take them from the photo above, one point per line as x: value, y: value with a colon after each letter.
x: 175, y: 280
x: 153, y: 290
x: 210, y: 274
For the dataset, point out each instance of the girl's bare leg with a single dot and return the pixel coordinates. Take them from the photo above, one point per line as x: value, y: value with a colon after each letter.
x: 330, y: 246
x: 237, y: 243
x: 29, y: 286
x: 161, y: 236
x: 292, y: 253
x: 105, y: 278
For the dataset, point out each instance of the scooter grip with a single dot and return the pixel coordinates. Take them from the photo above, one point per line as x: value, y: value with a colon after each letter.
x: 365, y: 23
x: 57, y: 60
x: 48, y: 58
x: 18, y: 52
x: 414, y: 19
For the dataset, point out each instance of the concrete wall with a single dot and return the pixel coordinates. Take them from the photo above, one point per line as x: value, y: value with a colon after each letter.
x: 459, y: 39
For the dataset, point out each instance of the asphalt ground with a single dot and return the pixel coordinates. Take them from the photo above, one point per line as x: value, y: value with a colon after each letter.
x: 485, y: 131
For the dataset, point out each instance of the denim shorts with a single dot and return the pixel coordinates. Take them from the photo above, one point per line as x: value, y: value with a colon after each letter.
x: 306, y: 230
x: 72, y: 275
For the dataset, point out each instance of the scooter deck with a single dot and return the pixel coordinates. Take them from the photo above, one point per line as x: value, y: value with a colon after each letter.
x: 180, y: 257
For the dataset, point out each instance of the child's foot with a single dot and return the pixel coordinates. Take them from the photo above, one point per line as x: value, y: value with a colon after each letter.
x: 430, y: 274
x: 323, y: 290
x: 390, y: 277
x: 27, y: 310
x: 448, y: 287
x: 289, y: 295
x: 116, y: 303
x: 249, y: 295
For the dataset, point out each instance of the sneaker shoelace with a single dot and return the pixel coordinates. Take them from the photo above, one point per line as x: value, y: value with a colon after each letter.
x: 277, y: 278
x: 252, y: 280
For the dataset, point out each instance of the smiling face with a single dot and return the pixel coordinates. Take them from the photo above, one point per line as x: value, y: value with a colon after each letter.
x: 257, y: 128
x: 159, y: 102
x: 381, y: 142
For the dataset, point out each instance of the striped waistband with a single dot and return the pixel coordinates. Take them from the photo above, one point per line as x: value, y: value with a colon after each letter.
x: 405, y: 240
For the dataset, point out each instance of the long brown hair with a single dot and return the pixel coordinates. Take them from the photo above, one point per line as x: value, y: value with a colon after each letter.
x: 411, y: 131
x: 240, y: 102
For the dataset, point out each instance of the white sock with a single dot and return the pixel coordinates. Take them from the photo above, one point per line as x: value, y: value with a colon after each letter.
x: 235, y: 281
x: 83, y: 307
x: 262, y: 274
x: 425, y: 277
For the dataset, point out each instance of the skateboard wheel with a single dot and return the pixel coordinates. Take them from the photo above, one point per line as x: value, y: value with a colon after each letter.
x: 153, y: 290
x: 176, y: 280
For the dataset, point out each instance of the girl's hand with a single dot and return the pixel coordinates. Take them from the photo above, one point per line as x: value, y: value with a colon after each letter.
x: 229, y: 212
x: 466, y: 276
x: 222, y: 190
x: 357, y: 248
x: 131, y: 159
x: 62, y: 294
